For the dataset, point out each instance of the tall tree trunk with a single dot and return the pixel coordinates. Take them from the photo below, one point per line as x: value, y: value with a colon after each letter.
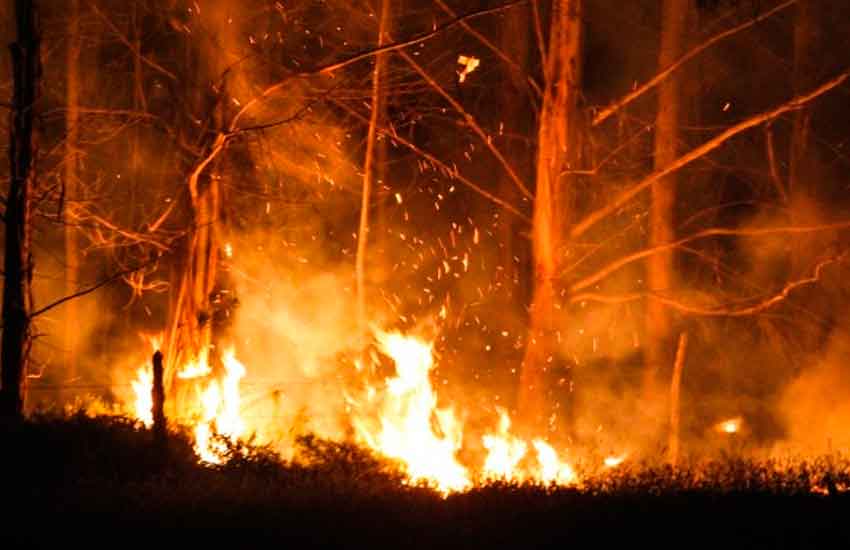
x: 71, y: 180
x: 363, y: 231
x: 190, y: 336
x: 557, y: 152
x: 658, y: 353
x: 801, y: 161
x: 15, y: 347
x: 513, y: 121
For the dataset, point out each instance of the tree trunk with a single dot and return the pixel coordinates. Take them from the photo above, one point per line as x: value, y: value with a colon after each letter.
x: 801, y: 162
x: 512, y: 121
x: 14, y: 353
x: 190, y: 336
x: 557, y: 152
x: 658, y: 352
x: 71, y: 194
x: 363, y: 231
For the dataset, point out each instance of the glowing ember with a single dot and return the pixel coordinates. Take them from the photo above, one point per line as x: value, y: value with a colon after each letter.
x: 730, y: 426
x: 412, y: 429
x: 468, y: 64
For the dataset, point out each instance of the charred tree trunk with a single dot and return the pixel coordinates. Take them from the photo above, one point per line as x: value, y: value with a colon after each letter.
x: 71, y: 191
x: 14, y: 354
x: 658, y: 353
x: 368, y: 169
x: 160, y: 429
x: 557, y: 153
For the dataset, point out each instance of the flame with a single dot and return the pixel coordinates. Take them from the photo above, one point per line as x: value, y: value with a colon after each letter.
x: 196, y: 368
x: 144, y: 399
x: 552, y: 470
x: 730, y: 426
x: 425, y: 439
x: 614, y: 461
x: 399, y: 419
x: 504, y: 451
x: 220, y: 411
x: 218, y: 402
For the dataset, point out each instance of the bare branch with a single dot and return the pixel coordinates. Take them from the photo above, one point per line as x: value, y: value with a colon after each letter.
x: 90, y: 289
x: 720, y: 311
x: 470, y: 120
x: 715, y: 232
x: 389, y: 134
x: 124, y: 40
x: 657, y: 79
x: 354, y: 58
x: 617, y: 202
x: 495, y: 49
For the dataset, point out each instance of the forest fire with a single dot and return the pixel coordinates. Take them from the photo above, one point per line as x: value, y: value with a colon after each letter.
x: 449, y: 247
x: 399, y: 420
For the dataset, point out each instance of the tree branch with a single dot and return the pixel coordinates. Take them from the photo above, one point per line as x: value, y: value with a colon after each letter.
x: 657, y: 79
x: 495, y: 49
x: 720, y: 311
x: 715, y: 232
x: 617, y: 202
x: 354, y: 58
x: 89, y: 290
x: 130, y: 45
x: 470, y: 120
x: 434, y: 160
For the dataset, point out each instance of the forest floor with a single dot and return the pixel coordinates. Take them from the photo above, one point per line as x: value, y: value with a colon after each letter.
x: 73, y: 479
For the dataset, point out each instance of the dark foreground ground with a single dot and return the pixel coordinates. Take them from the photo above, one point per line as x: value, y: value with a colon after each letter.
x: 78, y: 481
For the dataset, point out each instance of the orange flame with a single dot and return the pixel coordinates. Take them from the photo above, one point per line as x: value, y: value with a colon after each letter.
x: 408, y: 418
x: 218, y: 402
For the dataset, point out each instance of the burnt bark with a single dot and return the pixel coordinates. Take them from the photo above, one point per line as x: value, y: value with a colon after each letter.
x: 15, y: 347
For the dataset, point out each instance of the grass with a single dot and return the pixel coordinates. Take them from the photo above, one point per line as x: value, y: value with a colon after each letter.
x: 94, y: 473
